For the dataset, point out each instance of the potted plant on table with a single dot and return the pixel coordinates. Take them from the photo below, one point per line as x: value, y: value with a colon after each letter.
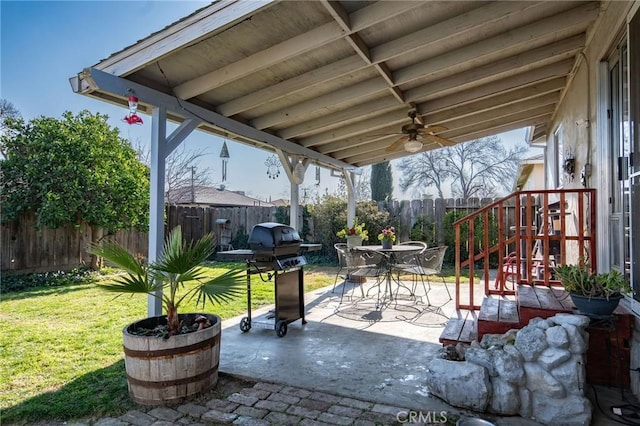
x: 354, y: 234
x: 594, y: 295
x: 387, y: 236
x: 171, y: 357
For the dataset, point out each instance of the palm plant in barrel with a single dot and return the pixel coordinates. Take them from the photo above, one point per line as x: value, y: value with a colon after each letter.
x: 178, y: 264
x: 155, y: 366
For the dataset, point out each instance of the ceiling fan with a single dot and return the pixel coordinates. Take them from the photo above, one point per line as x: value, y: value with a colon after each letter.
x: 415, y: 133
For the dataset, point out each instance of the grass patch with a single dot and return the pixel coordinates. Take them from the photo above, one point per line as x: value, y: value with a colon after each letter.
x: 61, y: 347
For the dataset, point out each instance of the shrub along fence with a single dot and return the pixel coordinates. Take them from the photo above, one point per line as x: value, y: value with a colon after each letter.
x: 23, y: 248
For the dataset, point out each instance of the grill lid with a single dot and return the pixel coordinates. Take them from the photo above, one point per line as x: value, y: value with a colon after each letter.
x: 270, y: 235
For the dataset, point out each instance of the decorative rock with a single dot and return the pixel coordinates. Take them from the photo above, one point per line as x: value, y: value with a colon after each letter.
x: 577, y: 342
x: 513, y: 351
x: 572, y: 375
x: 505, y: 398
x: 461, y: 348
x: 572, y: 410
x: 539, y: 380
x: 498, y: 340
x: 449, y: 352
x: 509, y: 367
x: 540, y: 323
x: 461, y: 384
x: 483, y: 358
x: 537, y: 372
x: 552, y: 357
x: 525, y: 402
x: 557, y: 337
x: 531, y: 341
x: 571, y: 319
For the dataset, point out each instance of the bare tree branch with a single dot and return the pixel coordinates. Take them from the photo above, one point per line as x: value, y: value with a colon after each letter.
x: 479, y: 168
x: 181, y: 172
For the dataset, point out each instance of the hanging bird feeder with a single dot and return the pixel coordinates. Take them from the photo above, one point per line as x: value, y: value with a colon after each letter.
x: 133, y: 117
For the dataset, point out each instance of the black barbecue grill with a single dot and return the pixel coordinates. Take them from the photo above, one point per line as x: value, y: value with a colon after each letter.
x: 275, y: 253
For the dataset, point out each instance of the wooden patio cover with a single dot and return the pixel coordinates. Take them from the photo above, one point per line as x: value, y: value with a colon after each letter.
x: 333, y: 81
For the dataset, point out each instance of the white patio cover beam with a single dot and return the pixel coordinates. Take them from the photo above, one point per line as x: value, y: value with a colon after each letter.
x: 349, y: 180
x: 93, y: 82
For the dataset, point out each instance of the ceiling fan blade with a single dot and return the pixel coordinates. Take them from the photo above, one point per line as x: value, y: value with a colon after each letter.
x: 397, y: 144
x: 435, y: 129
x: 440, y: 141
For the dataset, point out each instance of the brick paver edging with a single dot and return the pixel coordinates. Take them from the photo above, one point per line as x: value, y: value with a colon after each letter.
x: 266, y: 404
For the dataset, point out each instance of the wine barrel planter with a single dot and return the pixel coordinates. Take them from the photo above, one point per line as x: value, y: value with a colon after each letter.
x: 167, y: 371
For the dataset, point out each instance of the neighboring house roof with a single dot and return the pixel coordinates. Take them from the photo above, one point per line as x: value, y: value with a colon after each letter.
x: 525, y: 169
x: 214, y: 196
x: 280, y: 202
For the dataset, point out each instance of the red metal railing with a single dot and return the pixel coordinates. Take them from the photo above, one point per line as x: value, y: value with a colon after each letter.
x: 548, y: 228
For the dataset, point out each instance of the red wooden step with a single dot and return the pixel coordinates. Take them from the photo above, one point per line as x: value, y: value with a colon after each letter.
x: 541, y: 301
x: 459, y: 330
x: 497, y: 316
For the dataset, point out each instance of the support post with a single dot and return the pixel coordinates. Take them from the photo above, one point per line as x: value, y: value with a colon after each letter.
x: 295, y: 169
x: 156, y: 205
x: 349, y: 179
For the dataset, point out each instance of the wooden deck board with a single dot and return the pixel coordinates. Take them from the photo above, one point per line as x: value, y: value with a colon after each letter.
x: 563, y: 298
x: 527, y: 297
x: 490, y: 309
x: 508, y: 311
x: 460, y: 329
x: 468, y: 333
x: 548, y: 299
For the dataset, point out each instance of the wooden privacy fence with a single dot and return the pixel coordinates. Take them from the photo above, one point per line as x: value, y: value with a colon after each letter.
x: 27, y: 249
x: 407, y: 212
x: 24, y: 248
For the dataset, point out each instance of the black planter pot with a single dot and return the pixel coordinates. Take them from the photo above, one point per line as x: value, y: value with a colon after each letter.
x: 595, y: 307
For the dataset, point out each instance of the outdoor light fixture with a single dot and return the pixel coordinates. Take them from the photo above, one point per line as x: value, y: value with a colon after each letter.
x: 412, y: 145
x: 133, y: 117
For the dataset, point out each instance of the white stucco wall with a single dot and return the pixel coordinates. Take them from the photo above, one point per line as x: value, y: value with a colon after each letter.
x: 590, y: 143
x: 587, y: 142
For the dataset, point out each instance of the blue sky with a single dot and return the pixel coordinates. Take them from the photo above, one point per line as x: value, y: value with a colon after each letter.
x: 44, y: 43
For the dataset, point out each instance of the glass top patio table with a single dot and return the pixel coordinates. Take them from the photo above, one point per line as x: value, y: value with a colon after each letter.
x: 390, y: 260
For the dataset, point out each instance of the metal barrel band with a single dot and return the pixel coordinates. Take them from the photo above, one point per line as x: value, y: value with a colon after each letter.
x: 173, y: 351
x: 176, y: 382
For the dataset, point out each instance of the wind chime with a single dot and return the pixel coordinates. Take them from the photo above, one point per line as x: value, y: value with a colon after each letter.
x: 273, y: 167
x: 317, y: 175
x: 224, y: 155
x: 133, y: 117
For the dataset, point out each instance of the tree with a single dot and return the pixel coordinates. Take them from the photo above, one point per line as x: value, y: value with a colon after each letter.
x: 181, y: 173
x: 479, y: 168
x: 362, y: 187
x: 8, y: 112
x: 381, y: 182
x: 73, y: 170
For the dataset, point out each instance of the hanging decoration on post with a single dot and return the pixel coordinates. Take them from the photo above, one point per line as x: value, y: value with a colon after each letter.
x: 224, y: 155
x: 133, y: 117
x: 317, y: 175
x: 298, y: 173
x: 273, y: 167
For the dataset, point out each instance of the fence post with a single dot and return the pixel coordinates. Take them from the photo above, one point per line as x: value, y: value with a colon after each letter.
x: 440, y: 212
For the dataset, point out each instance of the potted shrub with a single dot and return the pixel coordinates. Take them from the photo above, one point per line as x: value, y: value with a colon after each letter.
x: 593, y: 294
x: 172, y: 357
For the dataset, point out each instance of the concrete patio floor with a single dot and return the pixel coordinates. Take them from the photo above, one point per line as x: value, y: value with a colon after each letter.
x: 353, y: 349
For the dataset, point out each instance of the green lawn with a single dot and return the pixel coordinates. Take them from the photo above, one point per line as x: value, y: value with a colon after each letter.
x: 61, y: 347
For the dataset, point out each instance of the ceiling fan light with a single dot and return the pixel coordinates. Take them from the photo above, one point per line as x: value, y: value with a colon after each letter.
x: 412, y: 146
